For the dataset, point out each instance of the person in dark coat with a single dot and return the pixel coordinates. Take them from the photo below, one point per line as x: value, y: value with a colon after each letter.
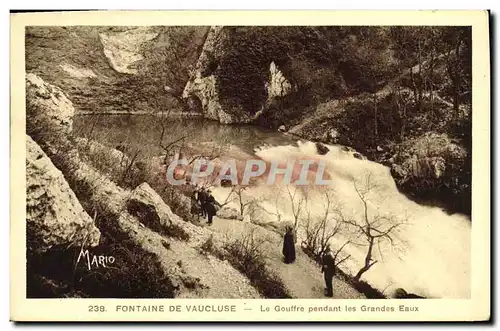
x: 289, y: 246
x: 328, y: 270
x: 202, y: 197
x: 210, y: 206
x: 195, y: 207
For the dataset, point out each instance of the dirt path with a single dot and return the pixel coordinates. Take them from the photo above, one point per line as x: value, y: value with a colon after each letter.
x: 302, y: 278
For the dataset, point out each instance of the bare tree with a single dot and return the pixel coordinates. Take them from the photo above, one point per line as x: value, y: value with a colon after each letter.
x: 319, y: 233
x: 176, y: 139
x: 373, y: 228
x: 245, y: 205
x: 238, y: 190
x: 402, y: 104
x: 298, y: 202
x: 457, y: 42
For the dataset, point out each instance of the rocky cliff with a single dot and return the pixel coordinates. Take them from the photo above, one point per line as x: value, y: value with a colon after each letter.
x: 107, y: 69
x: 207, y: 82
x: 274, y: 74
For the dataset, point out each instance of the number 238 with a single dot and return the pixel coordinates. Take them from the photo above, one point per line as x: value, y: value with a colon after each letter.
x: 96, y: 309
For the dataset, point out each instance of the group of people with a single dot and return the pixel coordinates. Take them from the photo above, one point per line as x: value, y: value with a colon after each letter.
x: 327, y: 259
x: 205, y: 205
x: 205, y: 202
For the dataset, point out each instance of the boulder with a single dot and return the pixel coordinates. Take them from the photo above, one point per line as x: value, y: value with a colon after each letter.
x: 47, y: 108
x: 149, y: 208
x: 54, y: 216
x: 358, y: 156
x: 322, y: 149
x: 229, y: 213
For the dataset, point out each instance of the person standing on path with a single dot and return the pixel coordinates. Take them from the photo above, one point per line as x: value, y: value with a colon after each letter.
x: 202, y: 197
x: 289, y: 246
x: 195, y: 207
x: 328, y: 270
x: 210, y: 206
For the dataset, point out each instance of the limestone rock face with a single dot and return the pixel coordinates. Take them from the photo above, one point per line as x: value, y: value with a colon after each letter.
x: 203, y: 82
x: 47, y: 106
x: 54, y: 215
x: 278, y: 85
x: 123, y: 49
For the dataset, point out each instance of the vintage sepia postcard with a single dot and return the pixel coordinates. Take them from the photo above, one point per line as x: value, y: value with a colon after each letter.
x: 250, y: 166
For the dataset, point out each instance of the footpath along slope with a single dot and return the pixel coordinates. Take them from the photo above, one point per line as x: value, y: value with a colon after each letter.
x: 303, y: 278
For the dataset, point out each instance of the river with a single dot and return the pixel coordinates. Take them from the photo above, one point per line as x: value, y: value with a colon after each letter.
x: 428, y: 252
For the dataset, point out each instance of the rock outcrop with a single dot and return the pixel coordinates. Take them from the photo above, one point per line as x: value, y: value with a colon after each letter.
x: 203, y: 83
x: 278, y: 85
x: 47, y: 106
x: 54, y: 215
x: 149, y: 208
x: 123, y: 49
x: 113, y: 68
x: 426, y: 158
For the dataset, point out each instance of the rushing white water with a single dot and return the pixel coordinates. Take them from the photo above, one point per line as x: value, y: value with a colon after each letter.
x: 430, y: 252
